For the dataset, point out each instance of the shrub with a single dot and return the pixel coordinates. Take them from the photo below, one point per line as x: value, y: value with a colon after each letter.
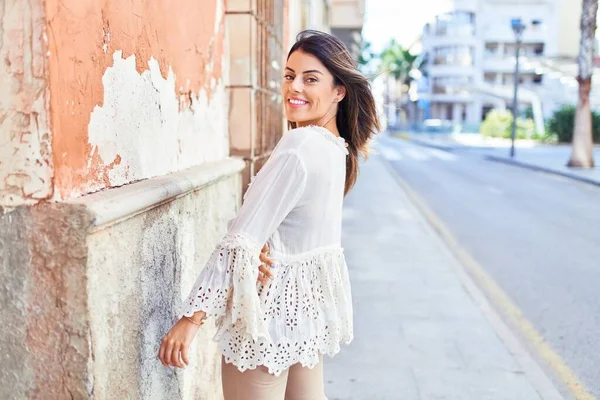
x: 499, y: 124
x: 562, y: 124
x: 496, y: 123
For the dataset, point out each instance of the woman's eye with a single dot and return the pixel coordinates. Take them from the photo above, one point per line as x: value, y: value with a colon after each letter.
x: 312, y: 80
x: 288, y: 77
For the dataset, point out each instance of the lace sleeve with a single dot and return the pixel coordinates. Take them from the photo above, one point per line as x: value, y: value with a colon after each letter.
x: 226, y: 288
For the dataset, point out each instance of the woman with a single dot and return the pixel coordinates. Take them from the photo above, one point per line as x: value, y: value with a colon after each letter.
x: 273, y: 333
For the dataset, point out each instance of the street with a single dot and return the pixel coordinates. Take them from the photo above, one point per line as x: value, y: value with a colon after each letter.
x: 535, y: 234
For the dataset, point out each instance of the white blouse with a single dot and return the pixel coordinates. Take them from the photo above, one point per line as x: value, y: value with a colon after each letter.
x: 295, y: 205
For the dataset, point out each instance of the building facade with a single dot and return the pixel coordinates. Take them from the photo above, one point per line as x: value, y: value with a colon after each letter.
x: 347, y: 18
x: 127, y: 140
x: 470, y: 53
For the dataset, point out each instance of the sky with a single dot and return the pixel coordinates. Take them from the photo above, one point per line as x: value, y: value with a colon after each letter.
x: 400, y: 19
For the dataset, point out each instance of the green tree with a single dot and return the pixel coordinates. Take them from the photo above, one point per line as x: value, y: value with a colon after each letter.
x: 397, y: 62
x: 365, y: 57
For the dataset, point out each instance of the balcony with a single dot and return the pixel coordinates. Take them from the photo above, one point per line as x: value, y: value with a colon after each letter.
x: 454, y: 24
x: 457, y: 55
x: 451, y: 85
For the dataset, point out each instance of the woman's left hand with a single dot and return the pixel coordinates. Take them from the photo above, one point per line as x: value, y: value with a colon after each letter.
x: 176, y: 343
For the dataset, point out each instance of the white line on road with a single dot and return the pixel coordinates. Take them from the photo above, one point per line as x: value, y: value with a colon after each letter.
x: 495, y: 190
x: 390, y: 154
x: 417, y: 154
x: 442, y: 155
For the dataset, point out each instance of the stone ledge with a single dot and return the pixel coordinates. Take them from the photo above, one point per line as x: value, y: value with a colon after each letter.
x: 117, y: 204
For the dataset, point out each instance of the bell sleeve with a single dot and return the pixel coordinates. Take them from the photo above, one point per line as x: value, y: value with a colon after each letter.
x: 226, y: 288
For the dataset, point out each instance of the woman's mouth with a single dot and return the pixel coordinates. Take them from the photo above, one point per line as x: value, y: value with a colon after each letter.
x: 297, y: 103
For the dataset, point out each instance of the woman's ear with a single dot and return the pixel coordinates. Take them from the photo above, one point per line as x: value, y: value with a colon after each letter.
x: 341, y: 93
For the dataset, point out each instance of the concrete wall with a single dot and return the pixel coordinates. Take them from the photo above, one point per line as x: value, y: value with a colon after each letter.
x: 139, y: 268
x: 115, y: 126
x: 90, y: 287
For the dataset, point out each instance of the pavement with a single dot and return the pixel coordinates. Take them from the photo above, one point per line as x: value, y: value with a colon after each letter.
x: 528, y: 154
x: 423, y: 329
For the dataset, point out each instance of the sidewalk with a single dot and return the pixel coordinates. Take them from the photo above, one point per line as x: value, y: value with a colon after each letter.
x: 422, y: 329
x: 551, y: 159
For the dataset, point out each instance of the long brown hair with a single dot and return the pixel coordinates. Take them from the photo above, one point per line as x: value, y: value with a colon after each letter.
x: 356, y: 118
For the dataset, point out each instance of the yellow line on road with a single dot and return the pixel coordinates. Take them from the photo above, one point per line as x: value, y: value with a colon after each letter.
x: 499, y: 298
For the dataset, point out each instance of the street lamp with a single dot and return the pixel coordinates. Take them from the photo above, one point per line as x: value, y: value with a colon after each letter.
x: 518, y: 27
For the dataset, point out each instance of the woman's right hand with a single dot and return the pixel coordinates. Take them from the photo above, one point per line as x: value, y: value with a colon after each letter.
x: 266, y: 273
x: 176, y: 343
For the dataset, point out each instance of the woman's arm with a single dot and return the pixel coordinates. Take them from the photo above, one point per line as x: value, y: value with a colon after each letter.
x: 226, y: 287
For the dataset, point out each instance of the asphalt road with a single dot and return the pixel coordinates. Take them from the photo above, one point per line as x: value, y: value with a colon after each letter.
x: 537, y: 235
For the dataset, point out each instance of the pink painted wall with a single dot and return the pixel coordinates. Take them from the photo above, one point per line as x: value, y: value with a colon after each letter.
x: 83, y: 35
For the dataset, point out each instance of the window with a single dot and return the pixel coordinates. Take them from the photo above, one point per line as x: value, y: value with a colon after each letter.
x: 461, y: 56
x: 536, y: 24
x: 491, y: 49
x: 489, y: 77
x: 453, y: 85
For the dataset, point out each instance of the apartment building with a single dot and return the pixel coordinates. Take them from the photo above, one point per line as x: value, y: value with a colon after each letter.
x: 470, y: 53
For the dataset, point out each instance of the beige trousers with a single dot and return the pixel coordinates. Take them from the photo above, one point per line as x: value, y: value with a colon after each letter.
x: 295, y: 383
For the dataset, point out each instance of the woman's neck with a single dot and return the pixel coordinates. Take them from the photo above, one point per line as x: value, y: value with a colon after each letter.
x: 330, y: 125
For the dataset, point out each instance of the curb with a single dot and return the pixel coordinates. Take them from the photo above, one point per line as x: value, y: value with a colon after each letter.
x: 497, y: 307
x: 543, y: 169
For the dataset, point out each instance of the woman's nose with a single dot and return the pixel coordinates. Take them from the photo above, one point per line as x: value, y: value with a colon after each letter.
x: 296, y: 85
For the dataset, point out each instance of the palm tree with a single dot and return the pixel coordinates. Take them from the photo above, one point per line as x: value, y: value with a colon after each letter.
x: 365, y: 57
x: 397, y: 62
x: 582, y: 146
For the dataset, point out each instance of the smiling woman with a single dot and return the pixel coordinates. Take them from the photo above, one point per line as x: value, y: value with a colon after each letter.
x: 273, y: 333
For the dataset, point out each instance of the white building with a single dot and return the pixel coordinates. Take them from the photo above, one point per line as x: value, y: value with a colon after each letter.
x: 470, y: 53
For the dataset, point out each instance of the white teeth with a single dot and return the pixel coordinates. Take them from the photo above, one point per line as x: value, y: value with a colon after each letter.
x: 297, y: 102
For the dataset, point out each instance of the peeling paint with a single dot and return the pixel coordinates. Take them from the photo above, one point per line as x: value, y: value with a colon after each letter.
x: 84, y: 36
x: 140, y: 132
x: 25, y: 140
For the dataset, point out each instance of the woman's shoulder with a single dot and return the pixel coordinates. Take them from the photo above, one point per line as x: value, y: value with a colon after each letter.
x: 311, y: 138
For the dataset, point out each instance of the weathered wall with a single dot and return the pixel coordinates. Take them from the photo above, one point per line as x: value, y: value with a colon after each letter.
x: 136, y: 89
x: 25, y: 151
x: 45, y: 340
x: 139, y: 271
x: 84, y: 307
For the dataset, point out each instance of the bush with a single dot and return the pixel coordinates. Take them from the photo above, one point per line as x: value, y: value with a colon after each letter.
x: 499, y: 124
x: 562, y: 124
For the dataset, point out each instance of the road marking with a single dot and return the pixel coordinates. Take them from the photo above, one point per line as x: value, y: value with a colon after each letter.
x: 495, y: 190
x: 416, y: 154
x: 499, y: 298
x: 442, y: 155
x: 390, y: 153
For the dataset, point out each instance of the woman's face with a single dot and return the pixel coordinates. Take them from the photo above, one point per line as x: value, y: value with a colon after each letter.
x: 308, y: 90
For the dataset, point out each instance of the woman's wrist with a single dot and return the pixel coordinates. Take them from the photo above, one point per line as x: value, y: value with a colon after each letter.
x: 191, y: 320
x: 197, y: 318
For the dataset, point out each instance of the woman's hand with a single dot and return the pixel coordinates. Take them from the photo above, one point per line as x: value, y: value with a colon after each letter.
x: 175, y: 345
x: 265, y: 273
